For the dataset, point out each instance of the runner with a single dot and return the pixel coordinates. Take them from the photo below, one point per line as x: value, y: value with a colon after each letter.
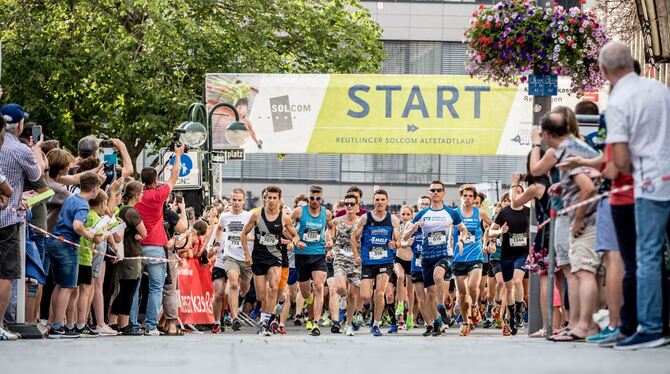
x: 416, y: 271
x: 378, y: 235
x: 468, y: 258
x: 486, y: 266
x: 512, y: 223
x: 266, y: 260
x: 230, y: 262
x: 403, y: 270
x: 495, y: 275
x: 315, y: 233
x: 347, y: 274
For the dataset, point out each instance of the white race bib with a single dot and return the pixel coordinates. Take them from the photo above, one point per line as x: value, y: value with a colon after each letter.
x: 268, y: 240
x: 417, y: 262
x: 347, y: 251
x: 499, y: 241
x: 518, y: 240
x: 469, y: 239
x: 378, y: 253
x: 311, y: 236
x: 437, y: 238
x: 235, y: 240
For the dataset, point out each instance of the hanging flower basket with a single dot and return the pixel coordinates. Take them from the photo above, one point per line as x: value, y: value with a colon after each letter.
x: 516, y: 37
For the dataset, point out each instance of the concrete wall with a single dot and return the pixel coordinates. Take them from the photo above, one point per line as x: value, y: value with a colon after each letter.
x: 421, y: 21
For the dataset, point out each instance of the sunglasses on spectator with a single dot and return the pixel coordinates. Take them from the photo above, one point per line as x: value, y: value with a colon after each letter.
x: 434, y: 190
x: 315, y: 198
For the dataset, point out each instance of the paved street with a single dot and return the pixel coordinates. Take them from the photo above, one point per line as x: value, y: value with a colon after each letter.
x: 483, y: 351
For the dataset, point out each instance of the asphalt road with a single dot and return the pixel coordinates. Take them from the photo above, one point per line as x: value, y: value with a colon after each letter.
x: 484, y: 351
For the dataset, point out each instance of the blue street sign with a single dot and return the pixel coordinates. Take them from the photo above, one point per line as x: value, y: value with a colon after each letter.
x: 542, y: 85
x: 186, y: 165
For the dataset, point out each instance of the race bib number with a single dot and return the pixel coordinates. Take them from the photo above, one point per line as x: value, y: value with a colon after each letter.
x: 311, y: 236
x: 378, y: 253
x: 470, y: 238
x: 235, y: 240
x: 437, y: 238
x: 268, y: 239
x: 499, y: 241
x: 518, y: 240
x: 347, y: 251
x: 417, y: 262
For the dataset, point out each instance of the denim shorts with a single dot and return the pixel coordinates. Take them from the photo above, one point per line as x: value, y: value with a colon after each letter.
x: 64, y: 260
x: 606, y: 239
x: 98, y: 259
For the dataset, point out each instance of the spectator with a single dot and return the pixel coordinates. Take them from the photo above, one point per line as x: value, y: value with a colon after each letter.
x: 151, y: 211
x: 18, y: 163
x: 638, y: 127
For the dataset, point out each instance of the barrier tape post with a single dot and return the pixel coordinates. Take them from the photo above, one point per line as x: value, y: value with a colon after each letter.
x: 549, y: 328
x: 20, y: 285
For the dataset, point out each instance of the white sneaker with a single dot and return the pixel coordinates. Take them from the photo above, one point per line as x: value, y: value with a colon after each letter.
x: 153, y: 332
x: 349, y: 330
x: 6, y: 335
x: 105, y: 330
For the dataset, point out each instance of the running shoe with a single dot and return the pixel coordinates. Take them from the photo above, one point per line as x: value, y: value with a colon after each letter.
x: 358, y: 321
x: 153, y: 332
x: 376, y: 331
x: 496, y: 312
x: 466, y: 329
x: 105, y: 330
x: 61, y: 332
x: 7, y: 335
x: 254, y: 314
x: 487, y: 313
x: 459, y: 319
x: 343, y: 314
x: 512, y: 327
x: 487, y: 324
x: 282, y: 330
x: 216, y: 329
x: 437, y: 328
x: 482, y: 309
x: 264, y: 331
x: 475, y: 315
x: 429, y: 330
x: 401, y: 324
x: 298, y: 320
x: 130, y: 331
x: 641, y: 341
x: 349, y: 330
x: 393, y: 329
x: 315, y: 331
x: 410, y: 322
x: 499, y: 323
x: 274, y: 327
x: 227, y: 321
x: 309, y: 325
x: 336, y: 328
x: 326, y: 322
x: 506, y: 330
x: 237, y: 325
x: 400, y: 310
x: 602, y: 335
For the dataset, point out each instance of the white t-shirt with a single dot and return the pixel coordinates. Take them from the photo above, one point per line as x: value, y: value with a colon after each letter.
x: 231, y: 246
x: 638, y: 113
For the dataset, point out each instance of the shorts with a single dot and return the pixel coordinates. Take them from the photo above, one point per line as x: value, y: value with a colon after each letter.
x: 406, y: 264
x: 494, y: 268
x: 306, y: 264
x: 98, y: 260
x: 508, y: 265
x: 292, y: 276
x: 372, y: 271
x: 218, y: 273
x: 428, y: 266
x: 462, y: 269
x: 562, y: 240
x: 583, y: 255
x: 240, y: 267
x: 64, y: 259
x: 486, y: 267
x: 331, y: 271
x: 263, y: 268
x: 393, y: 279
x: 85, y: 275
x: 606, y: 239
x: 417, y: 276
x: 346, y: 268
x: 10, y: 256
x: 283, y: 281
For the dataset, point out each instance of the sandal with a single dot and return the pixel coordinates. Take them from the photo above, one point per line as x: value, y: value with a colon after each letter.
x: 178, y: 332
x: 568, y: 337
x: 541, y: 333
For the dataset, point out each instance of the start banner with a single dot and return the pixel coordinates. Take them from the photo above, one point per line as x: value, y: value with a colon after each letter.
x: 196, y: 292
x: 396, y: 114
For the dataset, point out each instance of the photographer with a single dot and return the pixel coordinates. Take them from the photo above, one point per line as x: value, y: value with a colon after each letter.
x: 88, y: 148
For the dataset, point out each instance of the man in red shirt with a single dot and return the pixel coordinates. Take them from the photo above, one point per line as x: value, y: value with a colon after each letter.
x: 151, y: 211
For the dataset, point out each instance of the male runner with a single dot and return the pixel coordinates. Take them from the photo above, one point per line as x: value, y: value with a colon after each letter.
x: 378, y: 235
x: 268, y: 224
x: 512, y: 224
x: 468, y: 258
x: 436, y: 223
x: 230, y: 260
x: 416, y: 271
x: 315, y: 233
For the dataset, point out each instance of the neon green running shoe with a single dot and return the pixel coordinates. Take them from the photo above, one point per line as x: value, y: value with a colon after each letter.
x: 309, y: 325
x: 409, y: 324
x: 400, y: 310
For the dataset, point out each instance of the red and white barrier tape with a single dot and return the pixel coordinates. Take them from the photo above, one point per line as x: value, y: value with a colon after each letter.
x: 628, y: 187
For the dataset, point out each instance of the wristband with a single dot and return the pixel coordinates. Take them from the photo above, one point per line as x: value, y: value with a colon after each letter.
x: 537, y: 145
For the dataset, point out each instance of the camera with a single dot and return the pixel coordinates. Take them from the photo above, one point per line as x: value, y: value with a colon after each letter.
x: 175, y: 140
x: 106, y: 144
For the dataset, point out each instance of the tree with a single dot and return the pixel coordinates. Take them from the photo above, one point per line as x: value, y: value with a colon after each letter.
x: 129, y: 69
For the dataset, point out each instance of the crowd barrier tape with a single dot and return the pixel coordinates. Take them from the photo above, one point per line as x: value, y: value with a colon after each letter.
x: 628, y: 187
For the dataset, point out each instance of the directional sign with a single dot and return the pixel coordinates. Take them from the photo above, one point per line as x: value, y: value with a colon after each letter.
x: 224, y: 155
x: 543, y: 85
x: 190, y: 175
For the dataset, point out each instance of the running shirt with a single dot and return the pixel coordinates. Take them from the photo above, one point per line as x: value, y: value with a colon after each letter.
x: 515, y: 242
x: 267, y: 246
x: 472, y: 243
x: 436, y: 226
x: 312, y: 232
x: 375, y: 248
x: 416, y: 250
x: 231, y: 245
x: 495, y: 256
x: 342, y: 246
x: 486, y: 256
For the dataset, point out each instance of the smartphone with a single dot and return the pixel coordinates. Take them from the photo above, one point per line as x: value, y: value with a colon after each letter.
x: 106, y: 144
x: 37, y: 133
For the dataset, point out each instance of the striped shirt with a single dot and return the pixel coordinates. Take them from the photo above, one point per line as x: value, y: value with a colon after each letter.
x: 18, y: 163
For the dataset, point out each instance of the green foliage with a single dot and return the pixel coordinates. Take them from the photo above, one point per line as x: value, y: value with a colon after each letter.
x: 130, y: 68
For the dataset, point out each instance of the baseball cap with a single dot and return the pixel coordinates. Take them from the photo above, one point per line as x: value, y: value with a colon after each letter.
x: 13, y: 113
